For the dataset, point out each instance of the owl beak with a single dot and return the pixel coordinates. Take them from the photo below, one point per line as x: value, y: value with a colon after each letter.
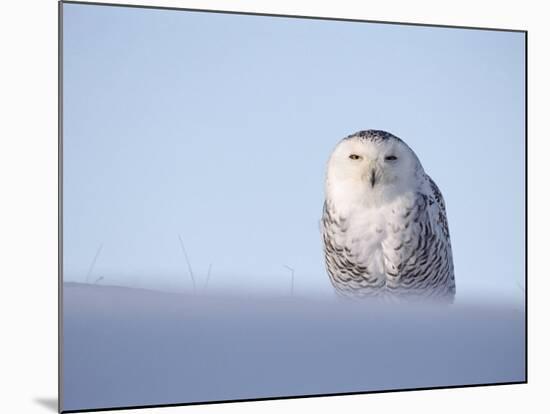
x: 372, y: 177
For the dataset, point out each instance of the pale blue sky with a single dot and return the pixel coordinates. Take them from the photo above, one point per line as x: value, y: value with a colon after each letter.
x: 218, y: 127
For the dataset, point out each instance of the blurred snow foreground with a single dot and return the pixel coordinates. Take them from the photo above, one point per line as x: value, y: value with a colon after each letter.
x: 131, y: 347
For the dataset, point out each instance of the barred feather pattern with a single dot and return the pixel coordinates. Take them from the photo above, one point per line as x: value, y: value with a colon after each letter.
x: 412, y: 258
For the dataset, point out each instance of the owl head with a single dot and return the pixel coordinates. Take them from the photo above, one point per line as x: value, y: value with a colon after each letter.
x: 371, y: 166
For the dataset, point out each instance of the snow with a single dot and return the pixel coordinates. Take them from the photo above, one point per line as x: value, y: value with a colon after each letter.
x: 128, y: 347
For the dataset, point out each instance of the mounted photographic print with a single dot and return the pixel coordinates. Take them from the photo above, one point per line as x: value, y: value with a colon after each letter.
x: 262, y: 206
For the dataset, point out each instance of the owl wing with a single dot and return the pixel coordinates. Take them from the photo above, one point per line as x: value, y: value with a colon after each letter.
x: 438, y: 211
x: 417, y: 251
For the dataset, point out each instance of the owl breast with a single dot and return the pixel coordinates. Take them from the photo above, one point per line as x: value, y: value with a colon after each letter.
x: 364, y: 238
x: 357, y: 243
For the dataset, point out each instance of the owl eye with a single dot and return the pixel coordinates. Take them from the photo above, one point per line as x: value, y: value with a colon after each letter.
x: 354, y: 157
x: 390, y: 158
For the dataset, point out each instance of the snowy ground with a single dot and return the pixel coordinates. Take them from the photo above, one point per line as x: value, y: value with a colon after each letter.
x: 127, y: 347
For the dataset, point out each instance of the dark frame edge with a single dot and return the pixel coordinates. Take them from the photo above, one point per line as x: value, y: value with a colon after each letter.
x: 526, y: 121
x: 292, y: 16
x: 342, y: 394
x: 60, y: 206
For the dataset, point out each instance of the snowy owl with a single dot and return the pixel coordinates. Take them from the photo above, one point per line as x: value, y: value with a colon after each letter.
x: 384, y: 224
